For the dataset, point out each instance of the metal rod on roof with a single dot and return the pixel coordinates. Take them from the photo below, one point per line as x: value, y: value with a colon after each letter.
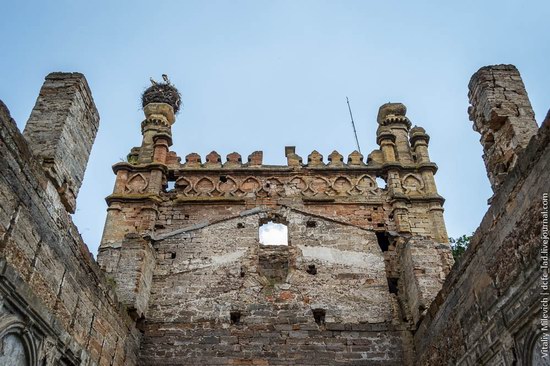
x: 353, y: 125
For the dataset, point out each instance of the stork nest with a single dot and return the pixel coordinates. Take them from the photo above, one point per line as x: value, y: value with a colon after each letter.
x: 162, y: 93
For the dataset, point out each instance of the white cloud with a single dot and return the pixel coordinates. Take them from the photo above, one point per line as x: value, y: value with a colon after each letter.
x: 273, y: 234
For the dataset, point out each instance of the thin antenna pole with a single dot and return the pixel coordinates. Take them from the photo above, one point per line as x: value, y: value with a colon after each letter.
x: 353, y: 125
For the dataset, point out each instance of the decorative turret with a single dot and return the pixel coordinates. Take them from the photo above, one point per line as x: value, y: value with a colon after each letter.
x: 386, y: 139
x: 124, y: 255
x: 161, y: 102
x: 408, y: 170
x: 393, y: 121
x: 419, y: 142
x: 393, y: 113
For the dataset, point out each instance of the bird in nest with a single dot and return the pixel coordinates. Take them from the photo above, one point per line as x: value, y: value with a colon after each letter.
x: 164, y: 77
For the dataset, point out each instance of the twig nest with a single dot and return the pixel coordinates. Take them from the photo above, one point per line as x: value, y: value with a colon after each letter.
x: 162, y: 93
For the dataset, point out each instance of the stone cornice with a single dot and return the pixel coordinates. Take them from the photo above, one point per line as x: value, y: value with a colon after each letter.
x: 152, y: 198
x: 139, y: 167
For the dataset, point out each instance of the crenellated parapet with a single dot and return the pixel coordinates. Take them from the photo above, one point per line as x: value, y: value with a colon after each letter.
x: 402, y: 162
x: 255, y: 160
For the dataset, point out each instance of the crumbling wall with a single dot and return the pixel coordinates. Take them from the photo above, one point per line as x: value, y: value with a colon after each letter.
x: 502, y: 114
x: 54, y: 300
x: 489, y: 309
x: 424, y: 265
x: 321, y: 299
x: 61, y: 130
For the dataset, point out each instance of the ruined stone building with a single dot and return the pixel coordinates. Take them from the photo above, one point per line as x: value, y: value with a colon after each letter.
x: 366, y: 276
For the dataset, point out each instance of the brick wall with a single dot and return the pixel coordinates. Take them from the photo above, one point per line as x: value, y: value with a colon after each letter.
x: 52, y: 294
x: 322, y: 299
x: 488, y: 311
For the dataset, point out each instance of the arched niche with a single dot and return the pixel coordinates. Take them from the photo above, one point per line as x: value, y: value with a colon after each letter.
x: 539, y: 350
x: 17, y: 346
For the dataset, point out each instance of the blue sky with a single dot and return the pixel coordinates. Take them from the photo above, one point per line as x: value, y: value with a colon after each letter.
x: 259, y: 75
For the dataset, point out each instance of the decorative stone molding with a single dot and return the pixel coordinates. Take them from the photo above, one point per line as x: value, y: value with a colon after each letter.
x: 17, y: 343
x: 273, y: 186
x: 159, y: 113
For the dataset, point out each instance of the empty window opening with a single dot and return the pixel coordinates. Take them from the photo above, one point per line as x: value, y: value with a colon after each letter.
x: 140, y: 324
x: 319, y: 316
x: 240, y: 225
x: 170, y: 185
x: 186, y: 217
x: 172, y: 255
x: 311, y: 269
x: 272, y: 233
x: 242, y: 272
x: 311, y: 223
x: 489, y: 141
x: 235, y: 317
x: 383, y: 241
x: 134, y: 314
x: 381, y: 183
x: 223, y: 179
x: 380, y: 224
x: 393, y: 285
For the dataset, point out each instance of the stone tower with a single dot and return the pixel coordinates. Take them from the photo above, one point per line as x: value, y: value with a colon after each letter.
x: 361, y: 264
x: 61, y: 131
x: 502, y: 114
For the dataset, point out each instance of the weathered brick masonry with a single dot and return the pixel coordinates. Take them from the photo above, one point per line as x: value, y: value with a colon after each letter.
x: 56, y: 308
x: 365, y: 278
x: 489, y: 310
x: 361, y: 267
